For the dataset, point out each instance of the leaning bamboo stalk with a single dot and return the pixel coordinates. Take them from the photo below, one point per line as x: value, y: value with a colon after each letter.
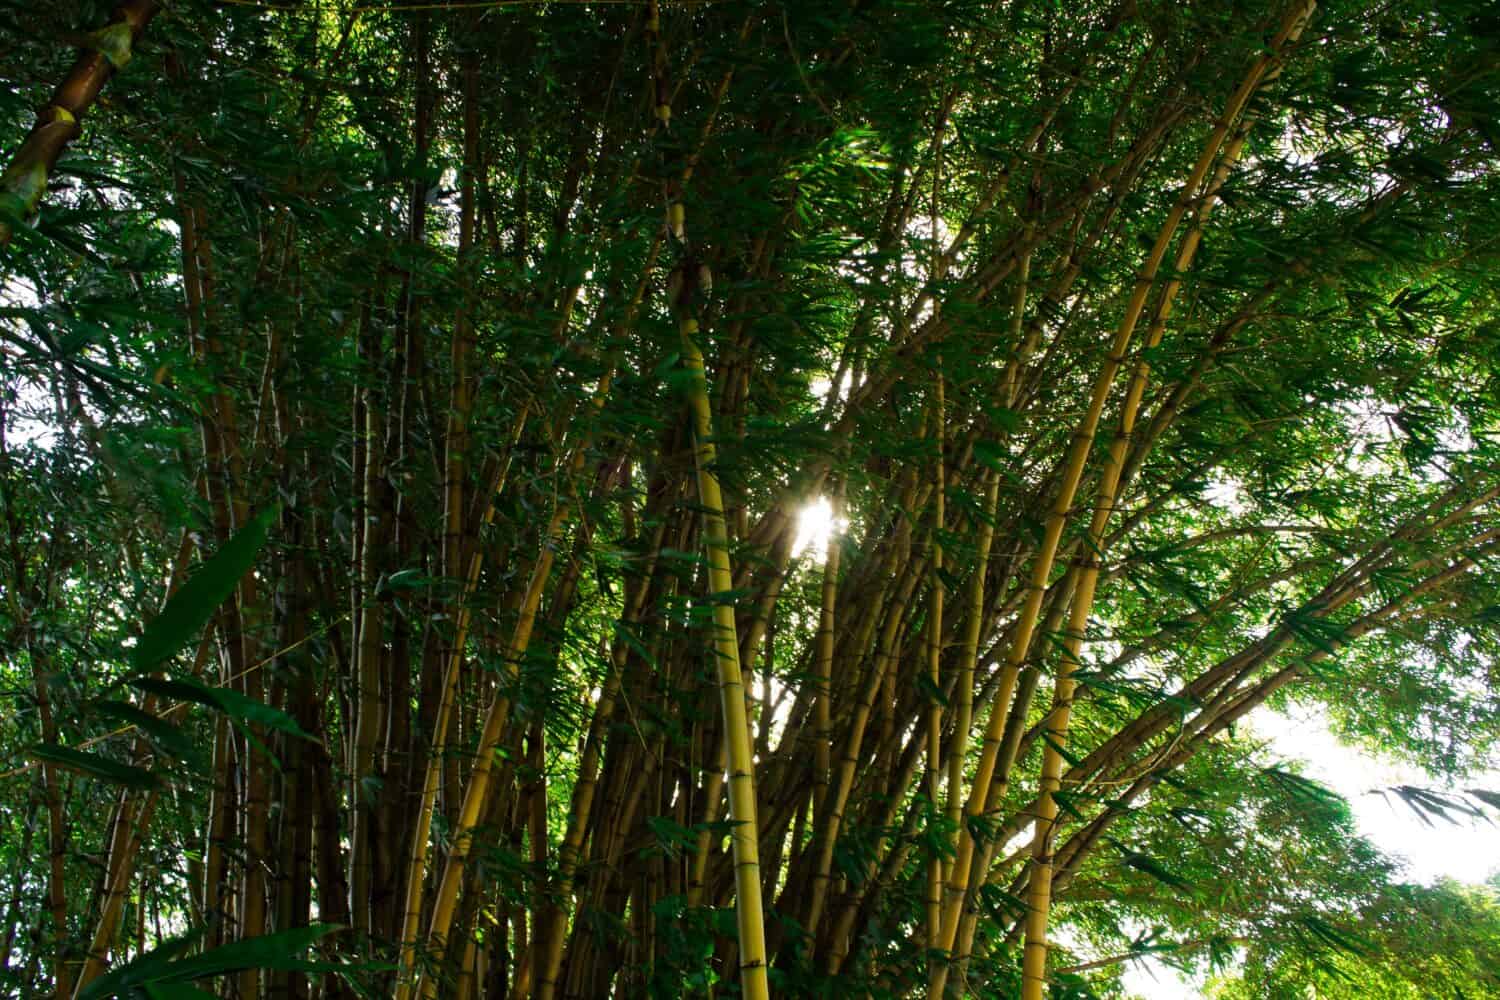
x: 1229, y: 675
x: 417, y: 859
x: 1034, y: 959
x: 1225, y: 708
x: 934, y: 653
x: 969, y: 650
x: 823, y: 663
x: 809, y: 860
x: 1014, y: 726
x: 877, y: 874
x: 1034, y: 963
x: 869, y: 390
x: 131, y: 823
x: 476, y: 791
x: 1232, y: 709
x: 978, y: 804
x: 117, y: 882
x: 551, y: 924
x: 581, y: 806
x: 830, y: 822
x: 748, y: 907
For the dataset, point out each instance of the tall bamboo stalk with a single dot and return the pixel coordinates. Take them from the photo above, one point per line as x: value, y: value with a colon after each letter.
x: 745, y: 846
x: 1039, y: 892
x: 1072, y: 472
x: 934, y: 666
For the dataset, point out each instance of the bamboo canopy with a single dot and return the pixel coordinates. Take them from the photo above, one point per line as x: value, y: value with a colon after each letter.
x: 571, y: 500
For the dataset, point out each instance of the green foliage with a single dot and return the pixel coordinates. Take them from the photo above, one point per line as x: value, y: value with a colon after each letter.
x: 165, y: 971
x: 318, y: 283
x: 190, y: 608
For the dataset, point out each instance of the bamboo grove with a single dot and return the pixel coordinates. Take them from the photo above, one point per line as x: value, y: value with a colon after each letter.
x: 567, y: 500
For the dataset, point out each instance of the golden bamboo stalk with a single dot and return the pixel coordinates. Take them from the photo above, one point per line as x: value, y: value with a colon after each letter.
x: 1034, y: 960
x: 969, y: 650
x: 838, y: 799
x: 823, y: 664
x: 1072, y: 472
x: 476, y: 791
x: 416, y: 870
x: 744, y: 838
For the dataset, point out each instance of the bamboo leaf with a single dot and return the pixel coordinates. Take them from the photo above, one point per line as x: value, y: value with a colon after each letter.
x: 280, y: 951
x: 168, y: 737
x: 237, y: 706
x: 195, y: 602
x: 1154, y: 868
x: 95, y: 766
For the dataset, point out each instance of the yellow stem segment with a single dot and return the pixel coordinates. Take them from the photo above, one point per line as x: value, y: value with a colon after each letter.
x: 417, y: 861
x: 1039, y: 890
x: 748, y: 909
x: 1083, y: 437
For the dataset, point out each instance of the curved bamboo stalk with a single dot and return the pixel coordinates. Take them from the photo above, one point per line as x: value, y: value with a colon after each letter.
x: 978, y: 804
x: 416, y: 869
x: 1035, y: 955
x: 108, y: 50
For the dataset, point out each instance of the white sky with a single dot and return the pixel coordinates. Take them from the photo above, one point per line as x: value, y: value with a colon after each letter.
x: 1467, y: 852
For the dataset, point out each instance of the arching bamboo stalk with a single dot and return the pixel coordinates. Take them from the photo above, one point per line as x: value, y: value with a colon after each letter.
x: 1039, y: 890
x: 416, y: 869
x: 978, y: 803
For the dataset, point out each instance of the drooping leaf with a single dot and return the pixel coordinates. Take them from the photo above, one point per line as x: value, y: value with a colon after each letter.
x: 95, y: 766
x: 194, y: 603
x: 239, y: 707
x: 280, y: 951
x: 164, y: 734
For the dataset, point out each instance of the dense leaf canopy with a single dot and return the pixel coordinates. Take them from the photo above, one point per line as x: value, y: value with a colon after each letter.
x: 573, y: 499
